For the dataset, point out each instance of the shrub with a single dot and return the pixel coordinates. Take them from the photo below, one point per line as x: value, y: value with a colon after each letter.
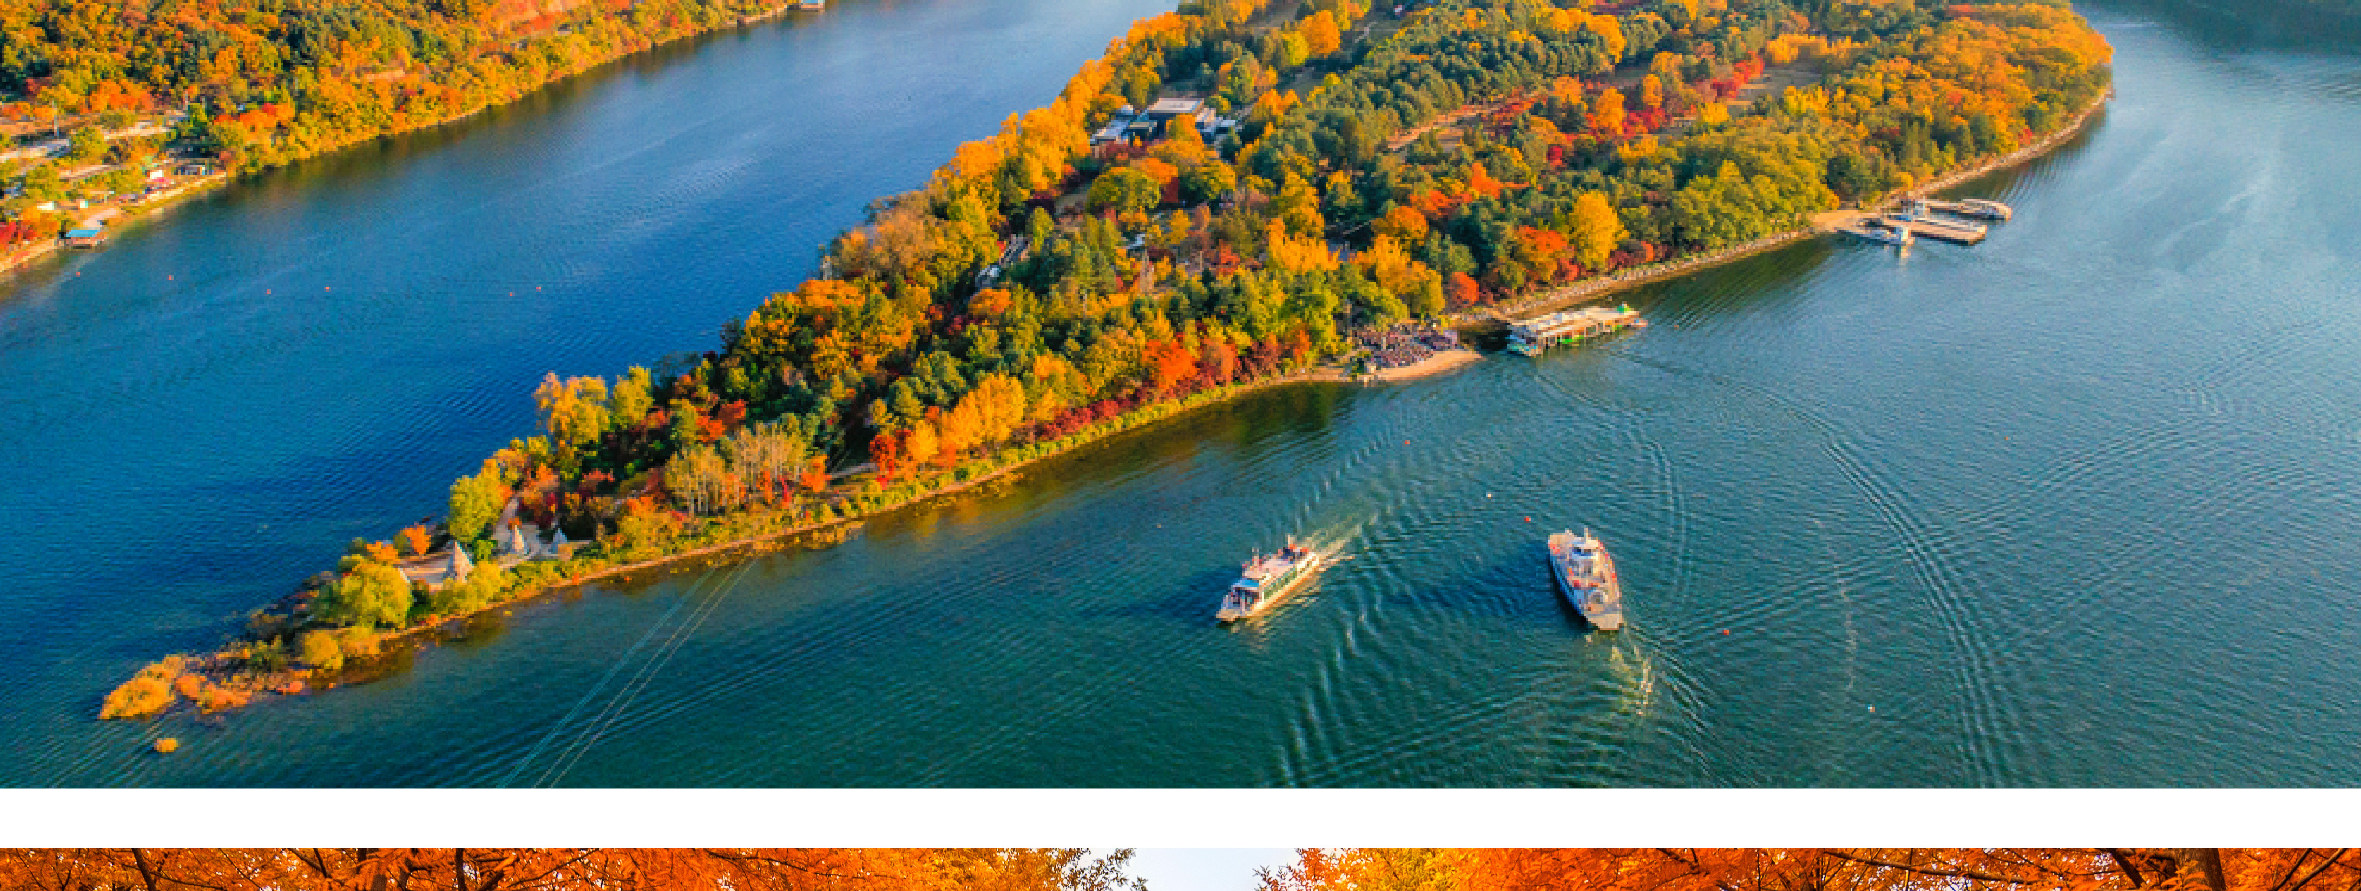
x: 317, y: 648
x: 147, y: 693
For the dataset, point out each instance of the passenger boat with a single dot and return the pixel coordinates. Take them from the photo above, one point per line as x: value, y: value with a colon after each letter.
x: 1266, y: 579
x: 1586, y: 577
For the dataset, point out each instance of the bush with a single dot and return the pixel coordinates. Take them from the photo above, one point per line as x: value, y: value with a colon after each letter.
x: 147, y: 693
x: 318, y: 649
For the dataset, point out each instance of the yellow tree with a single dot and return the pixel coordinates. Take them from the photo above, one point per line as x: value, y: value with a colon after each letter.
x: 1596, y: 230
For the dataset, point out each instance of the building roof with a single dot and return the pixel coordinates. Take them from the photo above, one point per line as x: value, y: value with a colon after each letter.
x: 85, y: 232
x: 1171, y: 108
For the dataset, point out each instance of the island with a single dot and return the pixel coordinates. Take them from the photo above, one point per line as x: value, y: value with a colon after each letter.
x: 1239, y: 194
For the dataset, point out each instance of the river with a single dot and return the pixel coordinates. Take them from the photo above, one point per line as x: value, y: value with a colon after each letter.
x: 2075, y: 507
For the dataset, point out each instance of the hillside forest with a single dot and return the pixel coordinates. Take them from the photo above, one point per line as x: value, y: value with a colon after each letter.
x: 1045, y: 287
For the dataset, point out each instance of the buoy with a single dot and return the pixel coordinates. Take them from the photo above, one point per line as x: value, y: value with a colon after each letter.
x: 167, y: 745
x: 166, y: 278
x: 1725, y: 631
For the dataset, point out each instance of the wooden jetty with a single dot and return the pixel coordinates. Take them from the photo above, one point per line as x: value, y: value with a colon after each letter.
x: 1531, y: 336
x: 1874, y: 230
x: 1971, y: 208
x: 1926, y: 226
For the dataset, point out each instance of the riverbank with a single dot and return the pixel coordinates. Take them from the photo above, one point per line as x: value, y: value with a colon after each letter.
x: 225, y: 679
x: 1816, y: 225
x: 140, y: 213
x: 1442, y: 362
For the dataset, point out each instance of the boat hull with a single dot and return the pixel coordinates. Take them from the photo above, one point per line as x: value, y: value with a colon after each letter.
x: 1276, y: 590
x: 1601, y: 601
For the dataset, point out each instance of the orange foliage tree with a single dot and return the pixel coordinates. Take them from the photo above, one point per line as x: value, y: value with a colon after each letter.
x: 1675, y: 869
x: 563, y: 869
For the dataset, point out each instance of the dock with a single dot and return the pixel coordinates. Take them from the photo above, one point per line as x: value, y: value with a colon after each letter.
x: 1971, y: 208
x: 1927, y: 226
x: 1532, y: 336
x: 1872, y: 229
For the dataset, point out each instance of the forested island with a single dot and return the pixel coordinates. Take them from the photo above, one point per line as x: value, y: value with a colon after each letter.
x: 1214, y: 205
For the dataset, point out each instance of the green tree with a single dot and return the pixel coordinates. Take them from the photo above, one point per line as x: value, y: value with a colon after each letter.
x: 634, y: 396
x: 475, y: 502
x: 368, y: 594
x: 42, y: 183
x: 86, y: 145
x: 1125, y: 190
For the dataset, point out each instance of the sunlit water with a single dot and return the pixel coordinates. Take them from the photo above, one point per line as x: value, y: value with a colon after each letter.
x: 2073, y: 507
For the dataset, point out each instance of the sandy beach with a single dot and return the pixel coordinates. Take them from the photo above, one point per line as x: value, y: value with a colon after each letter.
x: 1442, y: 361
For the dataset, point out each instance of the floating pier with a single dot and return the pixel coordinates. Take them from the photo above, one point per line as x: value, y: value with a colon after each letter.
x: 1873, y: 229
x: 1927, y: 226
x: 1531, y: 336
x: 1971, y: 208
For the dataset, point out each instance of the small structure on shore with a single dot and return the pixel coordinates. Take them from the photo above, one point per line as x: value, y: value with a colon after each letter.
x: 520, y: 543
x: 459, y: 566
x: 86, y: 237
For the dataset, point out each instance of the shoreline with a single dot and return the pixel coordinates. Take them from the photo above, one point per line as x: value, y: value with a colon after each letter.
x: 555, y: 76
x: 129, y: 219
x: 296, y: 681
x: 211, y: 667
x: 1818, y: 224
x: 1442, y: 362
x: 227, y: 669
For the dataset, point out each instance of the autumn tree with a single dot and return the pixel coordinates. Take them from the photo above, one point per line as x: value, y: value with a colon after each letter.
x: 1321, y: 35
x: 1595, y: 230
x: 575, y: 410
x: 564, y: 869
